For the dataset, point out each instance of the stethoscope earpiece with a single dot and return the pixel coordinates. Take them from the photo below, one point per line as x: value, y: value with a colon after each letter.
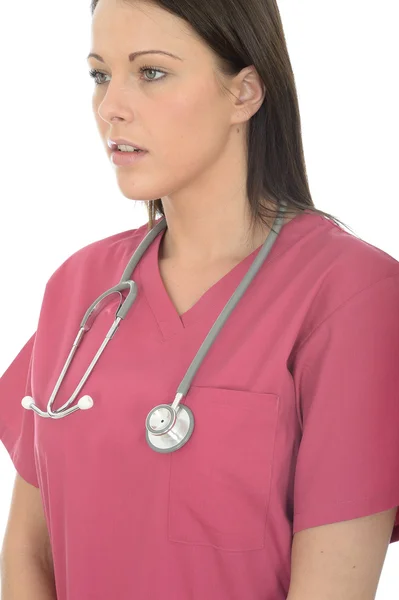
x: 85, y: 402
x: 27, y: 402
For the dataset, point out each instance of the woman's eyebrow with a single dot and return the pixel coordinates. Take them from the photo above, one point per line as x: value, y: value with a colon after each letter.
x: 133, y: 55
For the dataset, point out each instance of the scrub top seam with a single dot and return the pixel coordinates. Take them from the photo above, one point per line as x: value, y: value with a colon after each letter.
x: 340, y: 306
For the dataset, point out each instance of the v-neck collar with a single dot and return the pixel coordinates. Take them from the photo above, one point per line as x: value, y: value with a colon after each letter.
x: 214, y: 299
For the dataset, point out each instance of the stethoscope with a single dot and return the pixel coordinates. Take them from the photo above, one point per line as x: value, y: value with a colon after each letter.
x: 168, y: 426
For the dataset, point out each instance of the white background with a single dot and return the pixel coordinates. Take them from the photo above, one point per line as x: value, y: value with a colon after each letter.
x: 58, y: 188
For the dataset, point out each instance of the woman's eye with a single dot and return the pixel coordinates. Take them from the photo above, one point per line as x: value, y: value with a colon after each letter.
x: 95, y: 74
x: 154, y: 70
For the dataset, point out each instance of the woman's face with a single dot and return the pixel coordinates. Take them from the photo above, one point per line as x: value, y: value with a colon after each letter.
x: 179, y: 113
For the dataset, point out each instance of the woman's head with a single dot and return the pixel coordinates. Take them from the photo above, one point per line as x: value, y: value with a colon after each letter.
x: 226, y: 105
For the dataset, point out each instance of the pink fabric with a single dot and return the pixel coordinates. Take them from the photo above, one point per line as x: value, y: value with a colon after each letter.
x: 296, y: 417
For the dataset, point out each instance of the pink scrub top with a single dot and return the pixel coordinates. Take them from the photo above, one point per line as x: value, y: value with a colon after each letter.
x: 296, y: 417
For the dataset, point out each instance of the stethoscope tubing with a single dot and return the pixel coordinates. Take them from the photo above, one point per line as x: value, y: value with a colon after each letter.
x: 170, y: 412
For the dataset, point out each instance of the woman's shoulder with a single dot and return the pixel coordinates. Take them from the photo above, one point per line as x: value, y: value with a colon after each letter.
x: 99, y: 255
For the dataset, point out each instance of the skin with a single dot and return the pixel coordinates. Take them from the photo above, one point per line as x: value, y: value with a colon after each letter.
x: 194, y: 130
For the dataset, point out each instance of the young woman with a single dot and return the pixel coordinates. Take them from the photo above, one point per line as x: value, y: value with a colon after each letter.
x: 276, y: 475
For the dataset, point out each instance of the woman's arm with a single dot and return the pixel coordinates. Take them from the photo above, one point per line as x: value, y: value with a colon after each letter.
x: 27, y: 569
x: 24, y: 577
x: 342, y: 560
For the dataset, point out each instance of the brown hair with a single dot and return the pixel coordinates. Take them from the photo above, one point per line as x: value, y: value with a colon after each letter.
x: 243, y: 33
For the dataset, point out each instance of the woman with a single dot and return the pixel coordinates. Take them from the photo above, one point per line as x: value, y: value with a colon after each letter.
x: 289, y: 470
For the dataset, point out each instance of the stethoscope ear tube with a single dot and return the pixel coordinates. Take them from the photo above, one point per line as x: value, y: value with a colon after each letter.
x: 87, y: 321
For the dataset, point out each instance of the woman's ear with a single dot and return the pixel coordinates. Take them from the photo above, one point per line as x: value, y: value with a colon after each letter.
x: 250, y: 93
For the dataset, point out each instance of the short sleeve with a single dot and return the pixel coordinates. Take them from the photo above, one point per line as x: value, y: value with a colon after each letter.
x: 347, y: 381
x: 17, y: 423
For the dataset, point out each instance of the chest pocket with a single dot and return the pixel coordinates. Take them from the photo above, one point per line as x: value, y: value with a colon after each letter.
x: 220, y: 480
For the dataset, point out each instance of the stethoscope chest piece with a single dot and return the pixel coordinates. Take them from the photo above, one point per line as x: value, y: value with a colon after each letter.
x: 168, y: 429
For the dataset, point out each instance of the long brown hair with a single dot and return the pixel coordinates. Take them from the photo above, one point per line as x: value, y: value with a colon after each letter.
x: 243, y: 33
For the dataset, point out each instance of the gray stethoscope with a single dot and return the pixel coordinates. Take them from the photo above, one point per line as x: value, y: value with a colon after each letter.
x: 168, y: 426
